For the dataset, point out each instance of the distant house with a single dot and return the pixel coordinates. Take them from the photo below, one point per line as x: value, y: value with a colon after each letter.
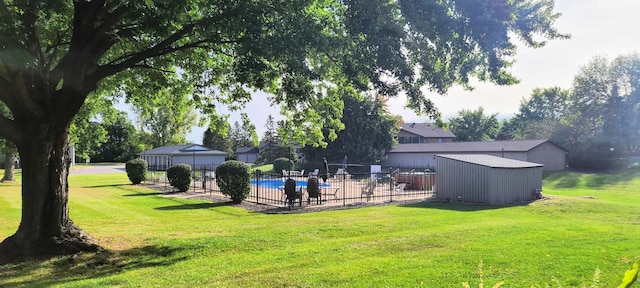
x: 247, y: 154
x: 194, y: 155
x: 417, y: 133
x: 544, y: 152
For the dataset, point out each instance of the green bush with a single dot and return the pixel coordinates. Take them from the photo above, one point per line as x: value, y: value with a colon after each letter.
x: 136, y: 170
x: 282, y: 164
x: 179, y: 176
x: 234, y: 180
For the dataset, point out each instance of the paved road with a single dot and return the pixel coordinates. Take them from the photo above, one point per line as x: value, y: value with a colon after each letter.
x: 107, y: 169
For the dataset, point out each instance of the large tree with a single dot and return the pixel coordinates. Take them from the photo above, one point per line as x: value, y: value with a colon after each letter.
x: 168, y: 116
x: 215, y: 137
x: 369, y: 130
x: 474, y: 125
x: 538, y: 115
x: 122, y: 143
x: 242, y: 135
x: 54, y: 54
x: 603, y: 119
x: 271, y: 144
x: 10, y: 152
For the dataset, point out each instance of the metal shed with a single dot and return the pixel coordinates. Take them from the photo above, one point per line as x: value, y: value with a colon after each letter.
x: 486, y: 179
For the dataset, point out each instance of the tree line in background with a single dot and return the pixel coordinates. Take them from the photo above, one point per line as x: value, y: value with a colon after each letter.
x: 597, y: 119
x: 368, y: 131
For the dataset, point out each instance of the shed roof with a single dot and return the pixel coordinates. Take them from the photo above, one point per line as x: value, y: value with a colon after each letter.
x: 426, y: 130
x: 471, y: 147
x: 166, y: 150
x: 491, y: 161
x: 242, y: 150
x: 183, y: 149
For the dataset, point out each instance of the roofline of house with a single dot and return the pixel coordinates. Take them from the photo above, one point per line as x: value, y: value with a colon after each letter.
x: 473, y: 151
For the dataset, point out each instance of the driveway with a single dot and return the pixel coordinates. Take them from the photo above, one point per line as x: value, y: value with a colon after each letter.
x: 100, y: 169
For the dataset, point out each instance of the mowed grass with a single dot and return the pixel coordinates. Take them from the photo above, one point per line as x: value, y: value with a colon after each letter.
x: 592, y: 223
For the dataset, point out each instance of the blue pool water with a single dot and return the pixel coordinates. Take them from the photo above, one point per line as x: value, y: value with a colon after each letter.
x: 278, y: 183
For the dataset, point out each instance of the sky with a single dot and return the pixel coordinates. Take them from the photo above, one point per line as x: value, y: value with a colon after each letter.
x: 598, y: 28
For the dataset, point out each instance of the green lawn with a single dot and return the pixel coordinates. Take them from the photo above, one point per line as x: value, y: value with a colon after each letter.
x: 592, y: 223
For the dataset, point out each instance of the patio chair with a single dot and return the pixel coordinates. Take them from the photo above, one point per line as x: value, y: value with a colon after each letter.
x: 368, y: 190
x: 400, y: 187
x: 291, y: 193
x: 314, y: 173
x: 313, y: 190
x: 342, y: 174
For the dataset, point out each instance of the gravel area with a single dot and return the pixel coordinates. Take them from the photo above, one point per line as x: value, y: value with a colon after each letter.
x: 271, y: 209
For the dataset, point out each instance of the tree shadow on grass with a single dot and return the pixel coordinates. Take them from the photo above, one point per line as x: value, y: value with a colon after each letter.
x: 590, y: 180
x: 86, y: 266
x: 564, y: 180
x: 461, y: 207
x: 600, y: 180
x: 144, y: 194
x: 193, y: 206
x: 105, y: 185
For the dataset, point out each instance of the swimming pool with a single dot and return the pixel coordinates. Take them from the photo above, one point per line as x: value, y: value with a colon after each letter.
x: 279, y: 183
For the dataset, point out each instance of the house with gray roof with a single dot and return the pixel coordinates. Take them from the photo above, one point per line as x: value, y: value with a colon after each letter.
x: 418, y: 133
x: 545, y: 152
x: 194, y: 155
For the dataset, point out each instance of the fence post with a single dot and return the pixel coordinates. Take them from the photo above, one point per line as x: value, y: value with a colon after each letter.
x: 344, y: 187
x: 204, y: 179
x: 257, y: 186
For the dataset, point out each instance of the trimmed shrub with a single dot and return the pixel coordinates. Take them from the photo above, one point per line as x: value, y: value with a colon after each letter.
x: 136, y: 170
x: 179, y: 176
x: 280, y: 164
x: 234, y: 180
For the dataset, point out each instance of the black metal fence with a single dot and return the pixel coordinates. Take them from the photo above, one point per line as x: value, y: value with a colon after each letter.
x: 339, y: 188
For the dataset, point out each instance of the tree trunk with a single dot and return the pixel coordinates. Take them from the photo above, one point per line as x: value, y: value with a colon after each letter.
x: 45, y: 227
x: 9, y: 162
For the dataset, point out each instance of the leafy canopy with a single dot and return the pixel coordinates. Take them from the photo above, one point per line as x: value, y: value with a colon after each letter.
x: 369, y: 132
x: 58, y: 52
x: 474, y: 125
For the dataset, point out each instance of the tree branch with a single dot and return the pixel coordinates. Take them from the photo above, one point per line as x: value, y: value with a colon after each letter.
x: 147, y: 66
x: 29, y: 20
x: 134, y: 59
x: 98, y: 34
x: 53, y: 50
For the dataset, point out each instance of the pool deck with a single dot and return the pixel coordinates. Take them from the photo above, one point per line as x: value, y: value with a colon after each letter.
x: 339, y: 192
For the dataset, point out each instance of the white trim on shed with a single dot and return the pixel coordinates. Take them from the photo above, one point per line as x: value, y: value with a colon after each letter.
x: 486, y: 179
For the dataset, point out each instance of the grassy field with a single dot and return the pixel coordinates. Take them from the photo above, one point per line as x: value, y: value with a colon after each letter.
x: 590, y: 226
